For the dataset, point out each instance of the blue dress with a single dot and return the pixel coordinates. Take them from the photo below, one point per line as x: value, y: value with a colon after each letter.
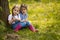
x: 24, y: 17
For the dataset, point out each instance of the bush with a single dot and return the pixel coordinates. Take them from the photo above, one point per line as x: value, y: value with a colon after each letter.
x: 2, y: 26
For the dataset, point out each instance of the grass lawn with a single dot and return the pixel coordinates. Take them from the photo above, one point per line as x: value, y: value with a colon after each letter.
x: 45, y: 17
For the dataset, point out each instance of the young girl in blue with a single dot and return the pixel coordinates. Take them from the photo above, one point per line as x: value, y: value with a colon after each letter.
x: 23, y: 16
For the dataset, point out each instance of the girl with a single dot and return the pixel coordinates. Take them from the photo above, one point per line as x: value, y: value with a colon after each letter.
x: 23, y: 15
x: 14, y: 18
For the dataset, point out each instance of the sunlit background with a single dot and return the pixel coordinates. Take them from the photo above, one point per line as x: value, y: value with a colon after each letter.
x: 44, y: 15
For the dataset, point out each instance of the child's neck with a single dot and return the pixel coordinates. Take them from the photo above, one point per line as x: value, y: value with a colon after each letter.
x: 23, y: 13
x: 15, y: 14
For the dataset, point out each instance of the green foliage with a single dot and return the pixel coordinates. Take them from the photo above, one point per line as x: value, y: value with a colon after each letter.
x: 13, y: 1
x: 0, y: 9
x: 2, y: 25
x: 44, y: 15
x: 2, y: 29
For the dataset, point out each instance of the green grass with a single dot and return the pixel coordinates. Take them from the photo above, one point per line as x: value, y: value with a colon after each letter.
x: 45, y: 17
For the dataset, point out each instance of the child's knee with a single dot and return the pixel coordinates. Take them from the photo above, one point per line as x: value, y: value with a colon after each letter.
x: 27, y: 23
x: 23, y: 24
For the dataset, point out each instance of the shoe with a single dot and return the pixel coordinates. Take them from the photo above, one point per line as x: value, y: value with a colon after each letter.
x: 36, y: 30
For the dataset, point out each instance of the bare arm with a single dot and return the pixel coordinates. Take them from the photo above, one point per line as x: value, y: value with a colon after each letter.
x: 18, y: 19
x: 24, y: 20
x: 12, y: 20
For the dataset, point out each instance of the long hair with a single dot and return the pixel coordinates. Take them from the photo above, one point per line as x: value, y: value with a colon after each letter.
x: 12, y: 11
x: 15, y: 6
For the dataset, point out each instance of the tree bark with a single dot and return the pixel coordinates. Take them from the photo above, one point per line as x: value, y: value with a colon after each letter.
x: 4, y: 10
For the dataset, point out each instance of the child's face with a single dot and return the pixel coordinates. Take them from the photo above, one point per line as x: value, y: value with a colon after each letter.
x: 16, y: 11
x: 23, y: 10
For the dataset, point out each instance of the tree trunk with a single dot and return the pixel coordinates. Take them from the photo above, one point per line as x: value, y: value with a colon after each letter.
x: 4, y: 10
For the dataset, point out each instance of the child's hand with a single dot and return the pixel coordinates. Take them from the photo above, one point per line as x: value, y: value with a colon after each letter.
x: 13, y: 19
x: 25, y: 20
x: 17, y: 19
